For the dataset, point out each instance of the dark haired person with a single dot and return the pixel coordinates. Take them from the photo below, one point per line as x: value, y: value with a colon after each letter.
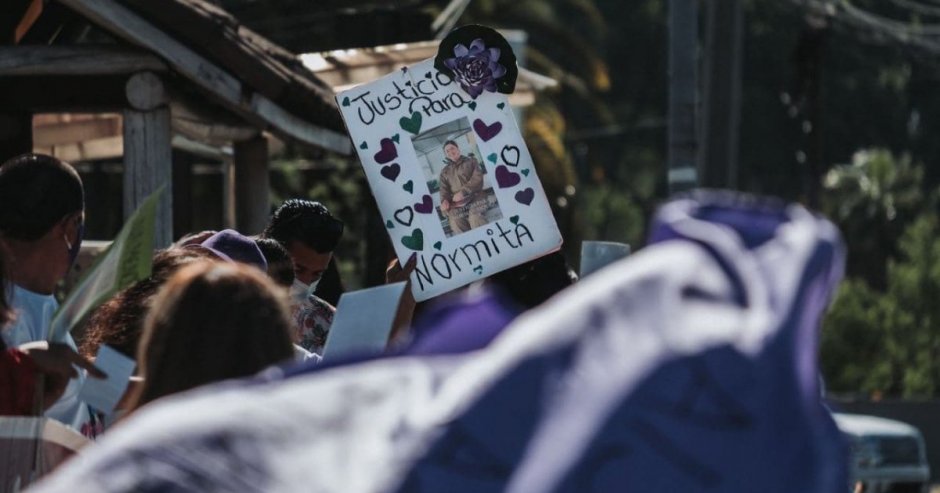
x: 461, y: 186
x: 42, y: 212
x: 280, y: 265
x: 119, y: 321
x: 309, y: 233
x: 19, y: 367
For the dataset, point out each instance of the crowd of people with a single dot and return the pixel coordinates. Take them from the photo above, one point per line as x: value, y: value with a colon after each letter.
x: 220, y: 305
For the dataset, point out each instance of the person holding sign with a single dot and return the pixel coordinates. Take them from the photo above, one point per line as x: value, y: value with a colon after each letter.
x: 42, y: 213
x: 461, y: 183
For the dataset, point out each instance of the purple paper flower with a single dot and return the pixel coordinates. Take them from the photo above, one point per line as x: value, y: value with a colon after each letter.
x: 476, y: 68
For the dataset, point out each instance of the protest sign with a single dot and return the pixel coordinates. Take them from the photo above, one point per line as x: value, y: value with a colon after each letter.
x: 596, y: 255
x: 104, y: 394
x: 128, y: 259
x: 452, y: 177
x: 363, y: 321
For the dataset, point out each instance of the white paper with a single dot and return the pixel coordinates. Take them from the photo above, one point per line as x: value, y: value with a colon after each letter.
x: 104, y: 394
x: 596, y: 255
x: 363, y: 321
x: 401, y: 125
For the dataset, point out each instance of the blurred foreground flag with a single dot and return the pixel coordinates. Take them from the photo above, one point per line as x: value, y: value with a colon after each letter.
x: 687, y: 367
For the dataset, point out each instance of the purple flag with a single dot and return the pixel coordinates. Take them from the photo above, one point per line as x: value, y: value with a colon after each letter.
x: 689, y: 366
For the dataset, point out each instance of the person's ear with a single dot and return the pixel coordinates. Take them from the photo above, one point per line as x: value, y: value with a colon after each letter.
x: 71, y: 223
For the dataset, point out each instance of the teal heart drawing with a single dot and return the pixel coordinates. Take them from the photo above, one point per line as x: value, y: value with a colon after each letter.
x: 478, y: 269
x: 514, y: 219
x: 363, y: 145
x: 346, y: 101
x: 501, y: 105
x: 492, y: 158
x: 525, y: 172
x: 412, y: 124
x: 472, y: 105
x: 415, y: 241
x: 395, y: 138
x: 389, y: 224
x: 409, y: 186
x: 437, y: 245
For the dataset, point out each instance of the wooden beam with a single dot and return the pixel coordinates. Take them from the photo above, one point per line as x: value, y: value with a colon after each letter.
x: 87, y: 150
x: 71, y: 132
x: 252, y: 185
x: 147, y: 166
x: 75, y: 60
x: 66, y: 94
x: 145, y: 91
x: 254, y: 107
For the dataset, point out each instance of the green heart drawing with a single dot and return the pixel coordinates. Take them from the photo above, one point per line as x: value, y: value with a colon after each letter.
x: 415, y: 241
x: 409, y: 186
x: 389, y: 224
x: 395, y: 138
x: 437, y: 245
x: 501, y: 105
x: 363, y: 145
x: 525, y: 172
x: 478, y: 269
x: 472, y: 105
x: 346, y: 101
x: 514, y: 219
x: 412, y: 124
x: 492, y: 158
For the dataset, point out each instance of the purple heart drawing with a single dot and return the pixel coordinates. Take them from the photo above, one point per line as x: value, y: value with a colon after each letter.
x: 506, y: 178
x: 426, y: 206
x: 525, y: 196
x: 387, y: 153
x: 391, y: 171
x: 486, y: 132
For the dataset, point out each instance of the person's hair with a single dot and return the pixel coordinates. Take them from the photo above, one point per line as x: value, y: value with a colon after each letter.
x: 532, y: 283
x: 211, y: 321
x: 119, y: 321
x: 6, y: 312
x: 450, y: 143
x: 280, y: 265
x: 305, y: 221
x: 36, y: 192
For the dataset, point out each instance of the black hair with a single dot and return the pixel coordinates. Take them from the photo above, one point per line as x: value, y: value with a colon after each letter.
x: 534, y: 282
x: 36, y: 192
x: 280, y: 265
x: 450, y: 142
x: 307, y: 222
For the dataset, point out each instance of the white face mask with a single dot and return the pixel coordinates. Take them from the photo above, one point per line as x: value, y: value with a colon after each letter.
x: 300, y: 292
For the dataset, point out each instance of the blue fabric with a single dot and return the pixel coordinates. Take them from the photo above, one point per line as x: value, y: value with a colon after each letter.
x: 34, y: 313
x: 689, y: 366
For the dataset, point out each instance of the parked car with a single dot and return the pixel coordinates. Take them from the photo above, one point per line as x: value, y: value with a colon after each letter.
x: 886, y: 455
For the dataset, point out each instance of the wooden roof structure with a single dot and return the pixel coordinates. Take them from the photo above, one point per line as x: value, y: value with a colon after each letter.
x: 167, y: 68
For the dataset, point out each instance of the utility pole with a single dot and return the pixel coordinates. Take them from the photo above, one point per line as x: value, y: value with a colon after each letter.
x: 683, y: 95
x: 718, y: 164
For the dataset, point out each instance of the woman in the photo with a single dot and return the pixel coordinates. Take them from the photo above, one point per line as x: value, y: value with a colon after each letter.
x: 461, y: 186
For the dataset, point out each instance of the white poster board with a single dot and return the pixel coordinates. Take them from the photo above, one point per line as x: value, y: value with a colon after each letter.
x: 404, y: 126
x: 595, y: 255
x: 363, y: 321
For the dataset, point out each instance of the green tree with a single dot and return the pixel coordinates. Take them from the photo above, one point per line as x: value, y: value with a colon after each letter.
x: 888, y: 343
x: 874, y: 199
